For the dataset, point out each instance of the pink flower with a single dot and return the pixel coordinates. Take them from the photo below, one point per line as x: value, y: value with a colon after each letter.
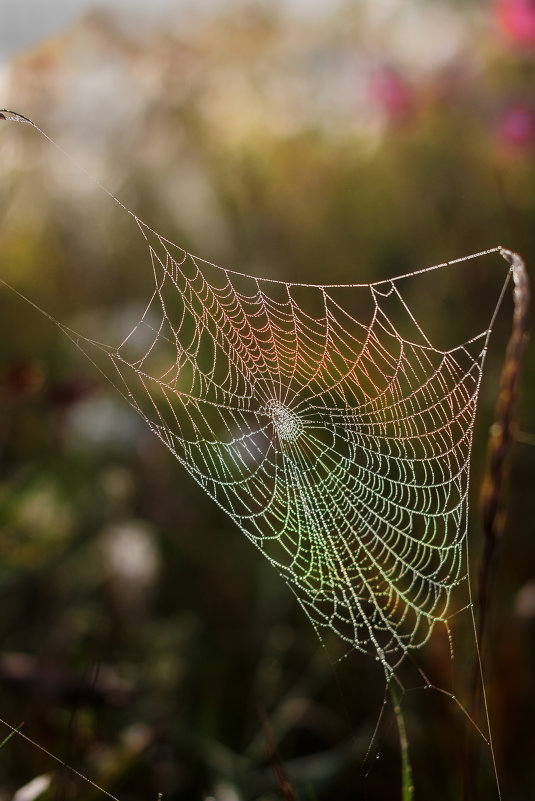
x: 516, y: 19
x: 516, y: 127
x: 390, y: 90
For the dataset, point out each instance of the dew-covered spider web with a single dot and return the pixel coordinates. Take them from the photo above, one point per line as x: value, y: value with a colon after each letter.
x: 339, y: 446
x: 325, y: 423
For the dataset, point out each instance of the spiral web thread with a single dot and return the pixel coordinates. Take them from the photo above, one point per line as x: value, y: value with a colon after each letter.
x: 340, y: 448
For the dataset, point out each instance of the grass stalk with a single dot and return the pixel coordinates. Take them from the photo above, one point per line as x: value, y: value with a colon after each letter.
x: 407, y: 786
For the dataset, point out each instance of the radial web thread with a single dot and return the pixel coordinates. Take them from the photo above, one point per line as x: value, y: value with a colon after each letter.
x: 339, y: 447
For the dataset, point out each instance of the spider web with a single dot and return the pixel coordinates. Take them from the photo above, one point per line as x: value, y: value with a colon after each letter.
x: 339, y: 446
x: 338, y: 442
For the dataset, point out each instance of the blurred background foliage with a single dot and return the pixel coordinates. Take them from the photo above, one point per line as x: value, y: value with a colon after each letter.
x: 143, y: 639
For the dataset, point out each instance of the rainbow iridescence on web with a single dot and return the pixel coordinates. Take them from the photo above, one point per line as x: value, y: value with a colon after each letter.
x: 338, y: 446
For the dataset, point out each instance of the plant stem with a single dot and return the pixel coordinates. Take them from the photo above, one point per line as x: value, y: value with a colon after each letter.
x: 407, y: 786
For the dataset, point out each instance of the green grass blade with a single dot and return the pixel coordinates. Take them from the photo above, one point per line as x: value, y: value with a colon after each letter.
x: 10, y: 735
x: 407, y: 786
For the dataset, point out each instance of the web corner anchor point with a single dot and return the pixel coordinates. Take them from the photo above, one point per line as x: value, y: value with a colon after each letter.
x: 13, y: 116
